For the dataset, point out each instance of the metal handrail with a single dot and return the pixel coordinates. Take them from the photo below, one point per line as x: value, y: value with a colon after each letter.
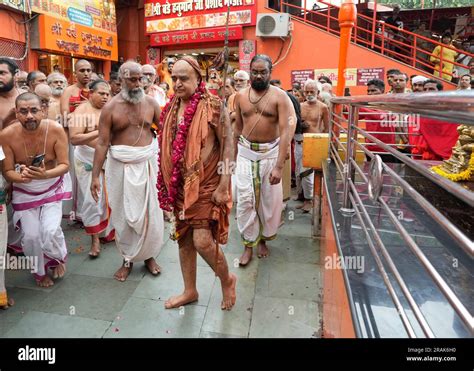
x: 409, y: 44
x: 460, y: 106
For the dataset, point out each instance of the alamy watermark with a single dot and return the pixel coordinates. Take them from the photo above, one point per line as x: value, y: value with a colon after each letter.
x: 13, y: 262
x: 356, y: 262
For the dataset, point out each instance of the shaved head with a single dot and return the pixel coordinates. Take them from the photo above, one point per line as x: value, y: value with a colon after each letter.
x: 81, y: 63
x: 43, y: 91
x: 128, y: 68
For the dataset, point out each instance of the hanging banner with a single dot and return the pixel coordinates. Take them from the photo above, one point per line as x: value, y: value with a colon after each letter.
x: 193, y: 36
x: 247, y: 50
x: 20, y: 5
x: 175, y: 15
x: 300, y: 76
x: 97, y: 14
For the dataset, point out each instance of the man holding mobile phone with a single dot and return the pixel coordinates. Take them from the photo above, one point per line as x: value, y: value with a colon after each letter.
x: 38, y: 190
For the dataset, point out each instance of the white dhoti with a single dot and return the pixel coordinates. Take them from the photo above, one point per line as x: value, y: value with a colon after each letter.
x: 72, y: 208
x: 3, y: 237
x: 37, y: 212
x: 259, y: 204
x: 131, y: 175
x: 304, y: 175
x: 95, y: 215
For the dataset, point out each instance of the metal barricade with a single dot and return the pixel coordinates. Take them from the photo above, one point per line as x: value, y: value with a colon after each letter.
x: 372, y: 194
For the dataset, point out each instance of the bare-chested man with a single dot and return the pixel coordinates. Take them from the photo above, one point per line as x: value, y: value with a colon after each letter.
x: 8, y: 92
x: 79, y: 92
x: 199, y: 196
x: 83, y: 134
x: 131, y: 171
x: 20, y: 81
x: 46, y: 95
x: 5, y: 301
x: 72, y: 97
x: 35, y: 78
x: 58, y: 84
x: 265, y: 123
x: 36, y: 163
x: 315, y: 117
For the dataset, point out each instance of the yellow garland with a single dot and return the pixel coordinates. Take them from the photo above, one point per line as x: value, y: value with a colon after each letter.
x: 465, y: 175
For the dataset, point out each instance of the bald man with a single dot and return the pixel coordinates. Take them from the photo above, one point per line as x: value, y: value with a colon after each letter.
x: 78, y: 92
x: 131, y: 171
x: 72, y: 97
x: 46, y: 95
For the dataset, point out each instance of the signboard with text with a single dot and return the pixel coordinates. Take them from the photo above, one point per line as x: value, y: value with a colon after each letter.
x: 364, y: 75
x: 247, y: 50
x: 177, y: 15
x: 192, y: 36
x: 300, y: 76
x: 75, y: 39
x: 16, y: 4
x: 97, y: 14
x: 351, y: 75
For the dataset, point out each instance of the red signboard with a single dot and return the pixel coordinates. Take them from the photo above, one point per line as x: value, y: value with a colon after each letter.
x: 364, y: 75
x: 194, y: 36
x: 301, y: 76
x: 247, y: 50
x: 182, y: 15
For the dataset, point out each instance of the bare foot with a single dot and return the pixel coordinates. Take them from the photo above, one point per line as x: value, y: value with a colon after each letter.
x: 307, y: 206
x: 183, y: 299
x: 45, y: 282
x: 10, y: 303
x: 263, y: 251
x: 95, y: 247
x: 246, y: 256
x: 228, y: 293
x: 59, y: 271
x: 123, y: 272
x: 152, y: 267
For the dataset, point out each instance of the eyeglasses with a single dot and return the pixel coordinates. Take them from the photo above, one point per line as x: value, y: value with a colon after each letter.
x: 25, y: 111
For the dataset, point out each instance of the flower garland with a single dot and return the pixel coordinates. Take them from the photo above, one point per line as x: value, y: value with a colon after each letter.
x: 167, y: 197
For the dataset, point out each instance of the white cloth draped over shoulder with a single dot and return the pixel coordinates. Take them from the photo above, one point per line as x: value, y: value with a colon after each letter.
x: 131, y: 175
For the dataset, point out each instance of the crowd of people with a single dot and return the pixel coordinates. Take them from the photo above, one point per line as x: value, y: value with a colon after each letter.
x: 97, y: 150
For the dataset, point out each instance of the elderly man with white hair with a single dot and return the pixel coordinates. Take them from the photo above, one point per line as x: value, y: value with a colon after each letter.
x: 58, y: 83
x: 151, y: 89
x: 315, y: 117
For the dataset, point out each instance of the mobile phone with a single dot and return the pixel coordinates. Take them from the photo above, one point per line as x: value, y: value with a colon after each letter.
x: 37, y: 160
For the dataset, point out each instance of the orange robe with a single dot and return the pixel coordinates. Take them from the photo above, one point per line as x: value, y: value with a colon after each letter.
x: 200, y: 179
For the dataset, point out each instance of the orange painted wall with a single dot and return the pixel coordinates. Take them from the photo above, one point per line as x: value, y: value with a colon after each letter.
x: 337, y: 319
x: 12, y: 30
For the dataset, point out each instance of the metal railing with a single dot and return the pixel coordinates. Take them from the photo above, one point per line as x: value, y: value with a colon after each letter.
x: 454, y: 106
x: 405, y: 46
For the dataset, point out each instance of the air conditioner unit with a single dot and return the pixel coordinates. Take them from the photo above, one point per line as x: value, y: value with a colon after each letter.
x: 273, y: 24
